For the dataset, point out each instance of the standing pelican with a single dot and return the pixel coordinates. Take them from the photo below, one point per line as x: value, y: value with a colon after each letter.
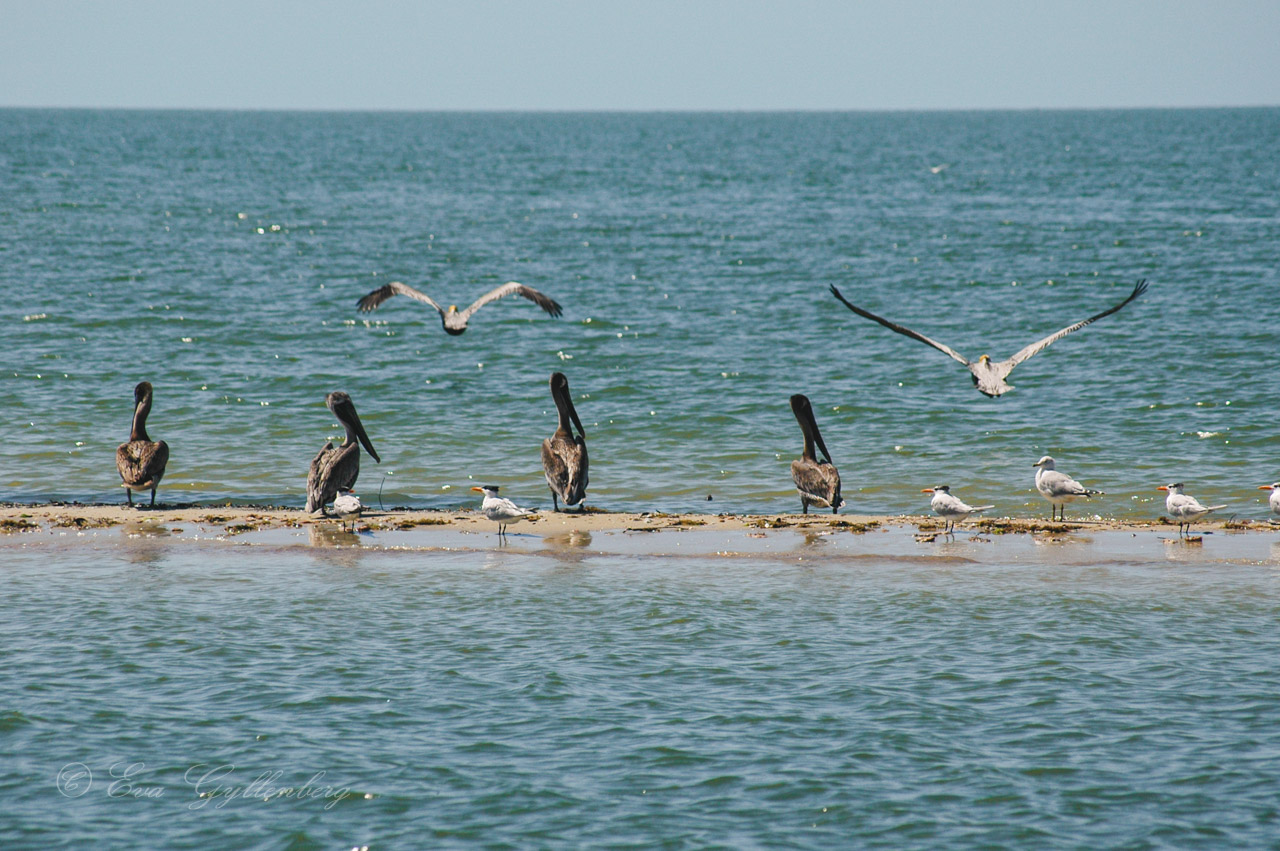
x: 988, y: 375
x: 335, y: 469
x: 454, y: 320
x: 1184, y: 507
x: 951, y: 508
x: 564, y: 454
x: 1059, y: 488
x: 141, y: 461
x: 818, y: 481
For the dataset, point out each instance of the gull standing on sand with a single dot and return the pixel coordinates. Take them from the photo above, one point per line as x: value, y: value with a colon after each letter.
x: 1059, y: 488
x: 1184, y: 508
x: 1274, y: 499
x: 335, y: 469
x: 564, y: 454
x: 347, y: 507
x: 454, y: 320
x: 951, y: 508
x: 817, y: 479
x: 500, y: 509
x: 141, y: 461
x: 988, y: 375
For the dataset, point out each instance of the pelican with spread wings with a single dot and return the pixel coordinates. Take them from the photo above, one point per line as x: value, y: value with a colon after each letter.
x: 988, y: 375
x: 454, y: 320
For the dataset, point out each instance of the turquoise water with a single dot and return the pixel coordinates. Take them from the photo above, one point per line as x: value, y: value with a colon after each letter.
x: 220, y: 256
x: 563, y: 695
x: 817, y: 692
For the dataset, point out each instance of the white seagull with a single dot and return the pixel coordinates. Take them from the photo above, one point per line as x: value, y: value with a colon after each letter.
x: 951, y: 508
x: 454, y: 320
x: 988, y: 375
x: 347, y: 507
x: 1059, y: 488
x: 500, y: 509
x: 1183, y: 508
x: 1274, y: 499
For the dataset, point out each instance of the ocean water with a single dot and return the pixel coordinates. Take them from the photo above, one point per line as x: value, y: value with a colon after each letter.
x: 160, y: 690
x: 220, y: 256
x: 183, y: 696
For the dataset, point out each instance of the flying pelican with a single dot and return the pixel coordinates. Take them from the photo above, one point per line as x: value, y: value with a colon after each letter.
x: 951, y: 508
x: 817, y: 481
x: 1184, y: 508
x: 564, y: 454
x: 454, y: 320
x: 499, y: 509
x: 141, y: 461
x: 988, y: 375
x: 1274, y: 499
x: 335, y: 469
x: 1059, y: 488
x: 347, y: 507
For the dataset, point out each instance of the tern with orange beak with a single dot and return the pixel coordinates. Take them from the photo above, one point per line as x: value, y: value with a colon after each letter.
x: 951, y: 508
x: 1184, y: 508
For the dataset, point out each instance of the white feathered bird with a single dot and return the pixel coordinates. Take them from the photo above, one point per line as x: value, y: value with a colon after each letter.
x: 1274, y: 499
x: 347, y: 508
x: 1059, y: 488
x: 1184, y: 508
x: 951, y: 508
x: 500, y: 509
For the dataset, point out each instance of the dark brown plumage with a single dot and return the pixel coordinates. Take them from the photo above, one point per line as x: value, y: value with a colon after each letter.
x: 816, y: 478
x: 335, y: 468
x: 564, y: 454
x: 141, y: 461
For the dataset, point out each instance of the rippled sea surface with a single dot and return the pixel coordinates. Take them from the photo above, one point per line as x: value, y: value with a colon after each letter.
x: 159, y: 692
x: 176, y: 696
x: 220, y: 256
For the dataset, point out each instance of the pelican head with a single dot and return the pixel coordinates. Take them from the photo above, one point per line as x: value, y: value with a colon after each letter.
x: 142, y: 391
x: 985, y: 359
x: 1045, y: 462
x: 453, y: 308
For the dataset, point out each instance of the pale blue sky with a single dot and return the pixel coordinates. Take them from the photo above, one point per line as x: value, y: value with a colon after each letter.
x: 660, y: 54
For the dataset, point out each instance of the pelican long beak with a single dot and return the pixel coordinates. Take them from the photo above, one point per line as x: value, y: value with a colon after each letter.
x: 347, y: 413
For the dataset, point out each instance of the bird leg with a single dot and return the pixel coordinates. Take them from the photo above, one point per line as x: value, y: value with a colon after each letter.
x: 129, y: 494
x: 153, y: 497
x: 554, y: 505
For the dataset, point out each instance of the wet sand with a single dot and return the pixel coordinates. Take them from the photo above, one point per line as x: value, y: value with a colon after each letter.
x: 814, y: 536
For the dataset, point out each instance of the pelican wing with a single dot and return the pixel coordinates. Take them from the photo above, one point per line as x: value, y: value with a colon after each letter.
x: 141, y: 463
x: 546, y: 303
x: 333, y: 469
x: 564, y: 462
x: 1138, y: 289
x: 818, y: 480
x: 906, y: 332
x: 381, y: 294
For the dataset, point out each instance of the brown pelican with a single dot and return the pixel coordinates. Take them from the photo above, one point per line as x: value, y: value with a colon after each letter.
x: 564, y: 454
x: 1184, y: 508
x: 818, y: 481
x: 499, y: 509
x: 988, y: 375
x: 141, y: 461
x: 1059, y: 488
x: 335, y: 469
x: 951, y: 508
x: 454, y: 320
